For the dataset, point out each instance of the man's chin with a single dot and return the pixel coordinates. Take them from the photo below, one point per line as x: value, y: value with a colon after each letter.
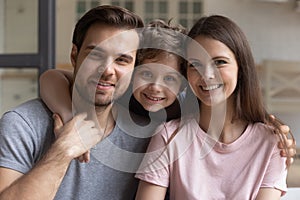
x: 102, y: 104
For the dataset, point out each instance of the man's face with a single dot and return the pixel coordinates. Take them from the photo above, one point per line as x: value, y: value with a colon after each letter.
x: 104, y: 63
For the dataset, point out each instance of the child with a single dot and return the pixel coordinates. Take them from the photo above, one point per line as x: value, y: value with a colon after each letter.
x: 244, y: 162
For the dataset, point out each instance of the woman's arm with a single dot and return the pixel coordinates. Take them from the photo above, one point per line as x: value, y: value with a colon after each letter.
x: 55, y: 91
x: 149, y: 191
x: 268, y: 194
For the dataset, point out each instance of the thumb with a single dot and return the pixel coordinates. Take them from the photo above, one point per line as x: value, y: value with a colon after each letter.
x: 57, y: 123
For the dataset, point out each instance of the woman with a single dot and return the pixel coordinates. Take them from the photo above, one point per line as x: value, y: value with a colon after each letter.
x: 226, y: 150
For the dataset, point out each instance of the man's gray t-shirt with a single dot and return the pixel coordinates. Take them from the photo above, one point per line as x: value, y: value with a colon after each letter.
x: 26, y: 133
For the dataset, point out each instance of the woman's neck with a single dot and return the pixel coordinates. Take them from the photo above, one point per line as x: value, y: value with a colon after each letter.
x: 219, y: 122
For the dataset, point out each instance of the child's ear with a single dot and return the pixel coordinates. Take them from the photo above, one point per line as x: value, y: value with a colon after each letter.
x: 73, y: 56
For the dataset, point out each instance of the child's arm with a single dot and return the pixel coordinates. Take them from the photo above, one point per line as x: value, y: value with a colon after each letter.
x: 289, y: 149
x: 150, y: 191
x: 55, y: 92
x: 287, y: 146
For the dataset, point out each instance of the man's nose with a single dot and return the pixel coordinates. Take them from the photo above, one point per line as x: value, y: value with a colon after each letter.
x: 106, y: 68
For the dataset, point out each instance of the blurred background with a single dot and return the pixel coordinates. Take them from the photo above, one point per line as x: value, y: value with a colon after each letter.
x: 35, y: 35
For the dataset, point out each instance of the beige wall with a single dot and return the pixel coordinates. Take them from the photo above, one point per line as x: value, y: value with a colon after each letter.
x: 273, y: 29
x: 65, y: 22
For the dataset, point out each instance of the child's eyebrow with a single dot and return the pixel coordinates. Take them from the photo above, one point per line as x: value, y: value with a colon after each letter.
x: 175, y: 73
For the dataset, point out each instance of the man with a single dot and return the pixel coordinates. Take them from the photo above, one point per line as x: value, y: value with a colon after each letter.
x: 36, y: 165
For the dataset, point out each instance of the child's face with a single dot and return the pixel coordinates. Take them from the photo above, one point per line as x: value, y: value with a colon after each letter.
x: 217, y: 79
x: 157, y: 82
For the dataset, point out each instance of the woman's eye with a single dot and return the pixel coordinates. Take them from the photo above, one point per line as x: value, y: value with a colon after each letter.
x: 220, y: 62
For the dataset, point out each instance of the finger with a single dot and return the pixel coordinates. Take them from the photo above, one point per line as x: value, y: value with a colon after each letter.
x: 285, y: 129
x: 286, y: 143
x: 289, y: 161
x: 79, y: 119
x: 292, y: 152
x: 290, y: 143
x: 272, y: 117
x: 282, y: 142
x: 80, y: 158
x: 58, y: 124
x: 90, y: 138
x: 86, y: 156
x: 283, y: 153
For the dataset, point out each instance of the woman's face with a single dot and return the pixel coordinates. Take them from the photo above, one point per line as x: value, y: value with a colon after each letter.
x: 212, y: 79
x: 157, y: 81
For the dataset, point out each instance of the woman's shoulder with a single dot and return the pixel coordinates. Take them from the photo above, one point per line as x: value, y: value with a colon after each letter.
x: 266, y: 131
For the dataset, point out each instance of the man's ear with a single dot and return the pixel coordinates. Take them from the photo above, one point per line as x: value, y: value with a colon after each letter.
x: 73, y: 56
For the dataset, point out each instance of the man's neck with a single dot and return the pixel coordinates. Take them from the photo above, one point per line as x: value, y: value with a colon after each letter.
x: 104, y: 117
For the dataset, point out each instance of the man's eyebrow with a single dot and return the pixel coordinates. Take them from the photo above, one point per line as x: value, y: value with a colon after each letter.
x: 120, y: 55
x: 126, y: 56
x: 93, y: 47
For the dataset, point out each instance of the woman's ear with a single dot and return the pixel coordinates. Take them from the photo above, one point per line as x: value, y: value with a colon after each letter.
x: 73, y: 56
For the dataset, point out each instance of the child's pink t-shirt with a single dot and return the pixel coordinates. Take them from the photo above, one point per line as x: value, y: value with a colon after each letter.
x: 198, y: 167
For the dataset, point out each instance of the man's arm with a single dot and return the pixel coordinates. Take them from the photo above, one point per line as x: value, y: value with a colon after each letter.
x: 43, y: 181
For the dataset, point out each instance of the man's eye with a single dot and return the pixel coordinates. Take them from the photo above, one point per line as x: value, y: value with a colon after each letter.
x: 95, y: 55
x: 122, y: 60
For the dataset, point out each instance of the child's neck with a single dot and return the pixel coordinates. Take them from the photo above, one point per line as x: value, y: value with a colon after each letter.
x: 224, y: 130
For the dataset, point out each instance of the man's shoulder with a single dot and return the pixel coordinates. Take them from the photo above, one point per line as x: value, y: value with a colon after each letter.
x: 32, y: 112
x: 33, y: 107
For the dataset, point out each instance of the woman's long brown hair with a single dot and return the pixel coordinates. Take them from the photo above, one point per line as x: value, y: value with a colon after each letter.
x: 248, y: 97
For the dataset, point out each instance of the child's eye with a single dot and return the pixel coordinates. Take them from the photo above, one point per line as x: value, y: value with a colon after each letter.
x: 169, y: 78
x: 146, y: 74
